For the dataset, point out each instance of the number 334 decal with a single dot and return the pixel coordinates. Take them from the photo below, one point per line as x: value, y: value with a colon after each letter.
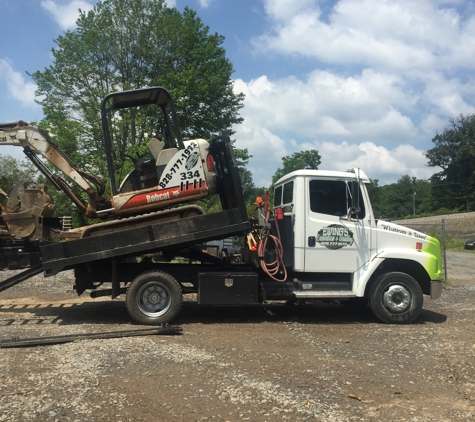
x: 189, y: 175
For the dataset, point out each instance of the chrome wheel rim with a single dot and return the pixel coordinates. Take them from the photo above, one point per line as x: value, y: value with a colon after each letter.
x: 153, y: 299
x: 397, y: 298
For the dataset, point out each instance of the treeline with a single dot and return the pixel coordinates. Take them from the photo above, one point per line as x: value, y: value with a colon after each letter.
x: 407, y: 197
x: 450, y: 190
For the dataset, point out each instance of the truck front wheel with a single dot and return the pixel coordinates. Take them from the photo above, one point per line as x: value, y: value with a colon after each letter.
x: 153, y: 298
x: 396, y: 298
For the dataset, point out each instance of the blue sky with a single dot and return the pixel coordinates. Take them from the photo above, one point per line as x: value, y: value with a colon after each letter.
x: 368, y: 83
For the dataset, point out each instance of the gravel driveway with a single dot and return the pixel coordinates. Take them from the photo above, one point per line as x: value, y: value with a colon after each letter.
x: 318, y: 362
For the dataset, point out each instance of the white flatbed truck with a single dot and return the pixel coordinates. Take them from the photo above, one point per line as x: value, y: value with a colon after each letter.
x: 321, y: 242
x: 331, y: 247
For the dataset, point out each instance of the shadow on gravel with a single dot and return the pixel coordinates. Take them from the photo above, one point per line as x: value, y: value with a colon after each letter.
x: 315, y: 313
x: 104, y: 312
x: 114, y: 312
x: 430, y: 316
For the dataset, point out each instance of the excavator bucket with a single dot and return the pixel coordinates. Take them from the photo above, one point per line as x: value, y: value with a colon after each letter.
x: 22, y: 224
x: 26, y: 211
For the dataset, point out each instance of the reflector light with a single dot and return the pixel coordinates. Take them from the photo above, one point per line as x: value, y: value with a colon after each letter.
x: 210, y: 163
x: 419, y: 246
x: 279, y: 214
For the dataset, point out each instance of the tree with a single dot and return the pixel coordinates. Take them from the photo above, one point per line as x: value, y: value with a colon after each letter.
x: 406, y: 197
x: 297, y: 161
x: 128, y: 44
x: 250, y: 191
x: 374, y: 193
x: 13, y: 171
x: 454, y: 153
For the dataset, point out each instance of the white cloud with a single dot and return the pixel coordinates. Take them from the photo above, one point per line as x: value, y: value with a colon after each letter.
x: 377, y: 161
x: 355, y: 121
x: 202, y: 3
x: 449, y: 95
x: 366, y: 106
x: 403, y: 35
x: 385, y: 74
x: 282, y: 9
x: 431, y: 124
x: 19, y: 88
x: 66, y: 13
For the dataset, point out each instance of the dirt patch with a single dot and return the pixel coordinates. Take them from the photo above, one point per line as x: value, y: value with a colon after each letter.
x: 318, y: 361
x: 460, y: 268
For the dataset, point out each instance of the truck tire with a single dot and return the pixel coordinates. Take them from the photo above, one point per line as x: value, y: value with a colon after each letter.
x: 153, y: 298
x: 396, y: 298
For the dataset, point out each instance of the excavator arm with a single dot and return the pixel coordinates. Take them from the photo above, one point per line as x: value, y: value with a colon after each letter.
x: 37, y: 142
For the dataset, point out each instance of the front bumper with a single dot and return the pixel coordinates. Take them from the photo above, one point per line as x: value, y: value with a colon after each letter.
x: 436, y: 289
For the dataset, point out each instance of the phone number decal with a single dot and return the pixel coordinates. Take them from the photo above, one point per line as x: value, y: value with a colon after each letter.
x: 186, y: 160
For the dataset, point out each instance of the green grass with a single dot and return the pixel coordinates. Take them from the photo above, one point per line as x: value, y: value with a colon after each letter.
x: 459, y: 248
x: 451, y: 244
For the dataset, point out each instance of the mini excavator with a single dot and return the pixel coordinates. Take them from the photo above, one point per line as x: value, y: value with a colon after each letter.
x: 176, y: 171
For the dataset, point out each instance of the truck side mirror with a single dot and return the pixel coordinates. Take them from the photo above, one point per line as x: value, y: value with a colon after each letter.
x: 355, y: 196
x: 353, y: 189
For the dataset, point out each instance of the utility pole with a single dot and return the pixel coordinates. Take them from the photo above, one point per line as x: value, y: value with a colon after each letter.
x: 414, y: 202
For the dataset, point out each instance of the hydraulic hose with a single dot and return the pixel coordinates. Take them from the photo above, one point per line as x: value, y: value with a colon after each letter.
x: 273, y: 268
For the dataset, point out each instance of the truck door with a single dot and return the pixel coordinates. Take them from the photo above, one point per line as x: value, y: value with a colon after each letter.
x: 336, y: 241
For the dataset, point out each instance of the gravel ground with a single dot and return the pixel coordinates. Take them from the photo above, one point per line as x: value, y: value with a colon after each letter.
x: 318, y: 362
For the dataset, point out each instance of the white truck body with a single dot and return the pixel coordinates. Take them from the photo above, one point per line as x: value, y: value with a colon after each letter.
x: 330, y: 237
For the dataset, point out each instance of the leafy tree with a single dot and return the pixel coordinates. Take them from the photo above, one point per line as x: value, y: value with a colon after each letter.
x: 422, y: 198
x: 242, y: 159
x: 400, y: 199
x: 374, y: 191
x: 297, y: 161
x: 128, y: 44
x: 13, y: 171
x: 454, y: 153
x: 250, y: 191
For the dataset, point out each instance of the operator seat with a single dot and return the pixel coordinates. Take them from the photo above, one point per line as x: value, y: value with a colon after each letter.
x: 155, y: 146
x: 161, y: 155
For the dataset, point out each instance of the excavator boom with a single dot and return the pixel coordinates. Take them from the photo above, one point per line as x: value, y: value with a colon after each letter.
x: 37, y: 142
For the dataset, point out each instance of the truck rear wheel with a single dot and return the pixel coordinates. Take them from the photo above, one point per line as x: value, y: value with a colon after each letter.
x: 396, y: 298
x: 153, y: 298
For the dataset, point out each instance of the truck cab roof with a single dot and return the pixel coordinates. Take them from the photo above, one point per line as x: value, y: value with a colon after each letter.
x: 349, y: 174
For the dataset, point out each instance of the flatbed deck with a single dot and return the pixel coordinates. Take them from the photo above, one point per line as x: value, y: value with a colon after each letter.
x: 114, y: 242
x: 142, y: 240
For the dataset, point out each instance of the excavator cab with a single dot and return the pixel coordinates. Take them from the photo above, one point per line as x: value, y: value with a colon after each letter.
x: 119, y: 126
x: 172, y: 171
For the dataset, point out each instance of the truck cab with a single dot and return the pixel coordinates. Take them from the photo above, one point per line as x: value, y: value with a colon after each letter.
x: 335, y: 248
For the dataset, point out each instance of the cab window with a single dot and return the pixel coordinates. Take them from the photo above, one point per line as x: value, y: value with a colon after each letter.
x: 333, y: 197
x: 288, y: 195
x: 284, y: 194
x: 278, y: 196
